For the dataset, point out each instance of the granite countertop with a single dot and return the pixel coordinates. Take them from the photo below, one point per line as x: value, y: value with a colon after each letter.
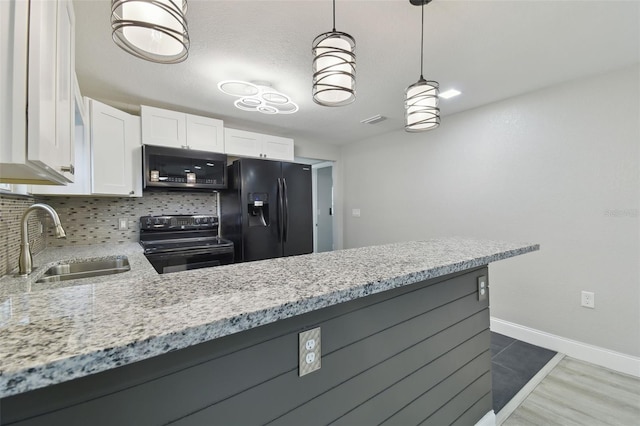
x: 51, y: 333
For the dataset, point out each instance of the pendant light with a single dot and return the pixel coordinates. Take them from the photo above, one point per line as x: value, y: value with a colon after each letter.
x: 421, y: 98
x: 334, y: 67
x: 155, y: 30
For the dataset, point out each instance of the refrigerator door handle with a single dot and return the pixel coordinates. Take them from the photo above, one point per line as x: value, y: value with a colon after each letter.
x: 280, y: 211
x: 286, y: 210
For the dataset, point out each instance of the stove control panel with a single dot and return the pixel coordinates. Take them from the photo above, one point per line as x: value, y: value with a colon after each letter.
x: 176, y: 222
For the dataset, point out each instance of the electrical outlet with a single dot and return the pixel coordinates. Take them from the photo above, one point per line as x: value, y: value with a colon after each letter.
x: 483, y: 288
x: 309, y: 351
x: 123, y: 224
x: 588, y: 299
x: 355, y: 212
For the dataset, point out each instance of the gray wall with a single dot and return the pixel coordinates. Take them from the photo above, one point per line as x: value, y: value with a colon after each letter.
x: 559, y: 167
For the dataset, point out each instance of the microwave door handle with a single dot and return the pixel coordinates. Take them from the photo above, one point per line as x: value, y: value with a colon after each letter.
x: 286, y: 210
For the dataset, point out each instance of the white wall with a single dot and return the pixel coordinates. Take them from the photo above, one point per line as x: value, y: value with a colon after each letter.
x: 559, y: 167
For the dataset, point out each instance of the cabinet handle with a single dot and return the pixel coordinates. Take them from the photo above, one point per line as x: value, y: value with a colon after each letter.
x: 69, y: 169
x: 131, y: 192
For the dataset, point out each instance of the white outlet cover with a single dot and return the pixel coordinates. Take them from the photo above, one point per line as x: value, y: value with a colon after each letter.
x: 588, y: 299
x: 309, y: 351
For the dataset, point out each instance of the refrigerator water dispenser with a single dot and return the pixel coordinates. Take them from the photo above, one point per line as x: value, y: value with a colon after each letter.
x: 258, y: 209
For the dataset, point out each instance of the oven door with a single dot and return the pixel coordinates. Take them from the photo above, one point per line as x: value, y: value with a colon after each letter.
x: 185, y: 260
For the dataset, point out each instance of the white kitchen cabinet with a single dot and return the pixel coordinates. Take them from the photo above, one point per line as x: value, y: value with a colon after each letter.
x: 249, y: 144
x: 38, y: 39
x: 179, y: 130
x: 82, y: 154
x: 116, y: 152
x: 65, y: 80
x: 205, y: 133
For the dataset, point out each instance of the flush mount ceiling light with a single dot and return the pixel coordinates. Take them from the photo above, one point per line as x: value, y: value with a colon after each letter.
x: 421, y: 101
x: 334, y: 67
x: 155, y: 30
x: 258, y: 96
x: 449, y: 93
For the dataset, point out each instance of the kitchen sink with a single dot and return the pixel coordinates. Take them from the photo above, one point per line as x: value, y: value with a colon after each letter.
x: 86, y: 269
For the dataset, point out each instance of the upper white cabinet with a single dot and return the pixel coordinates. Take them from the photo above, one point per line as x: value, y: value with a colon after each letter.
x: 116, y: 152
x: 82, y: 154
x: 108, y: 153
x: 179, y: 130
x: 38, y: 39
x: 204, y: 133
x: 65, y: 84
x: 249, y: 144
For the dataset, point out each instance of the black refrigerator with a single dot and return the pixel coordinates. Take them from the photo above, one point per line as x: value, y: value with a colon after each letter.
x: 267, y: 209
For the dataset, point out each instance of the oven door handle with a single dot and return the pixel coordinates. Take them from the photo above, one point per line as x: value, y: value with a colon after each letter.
x: 182, y: 252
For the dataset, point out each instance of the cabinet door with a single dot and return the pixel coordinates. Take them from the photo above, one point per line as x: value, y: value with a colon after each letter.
x: 163, y: 127
x: 204, y: 133
x: 277, y: 148
x: 65, y: 77
x: 114, y: 149
x: 242, y: 144
x: 82, y: 163
x: 42, y: 145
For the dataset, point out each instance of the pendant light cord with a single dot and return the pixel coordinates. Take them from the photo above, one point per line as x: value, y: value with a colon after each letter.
x: 421, y: 42
x: 334, y: 16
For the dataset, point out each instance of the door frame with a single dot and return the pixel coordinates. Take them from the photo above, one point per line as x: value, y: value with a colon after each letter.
x: 314, y: 189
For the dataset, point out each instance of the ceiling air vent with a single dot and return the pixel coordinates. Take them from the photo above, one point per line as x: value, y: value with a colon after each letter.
x: 373, y: 120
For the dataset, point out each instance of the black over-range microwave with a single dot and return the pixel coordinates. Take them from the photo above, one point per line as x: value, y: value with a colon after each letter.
x: 178, y: 168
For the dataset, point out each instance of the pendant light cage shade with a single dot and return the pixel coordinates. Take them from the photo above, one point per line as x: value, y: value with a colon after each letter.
x: 421, y: 102
x: 421, y: 106
x: 334, y: 69
x: 154, y: 30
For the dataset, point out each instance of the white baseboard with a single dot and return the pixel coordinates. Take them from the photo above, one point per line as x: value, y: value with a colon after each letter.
x: 489, y: 419
x: 617, y: 361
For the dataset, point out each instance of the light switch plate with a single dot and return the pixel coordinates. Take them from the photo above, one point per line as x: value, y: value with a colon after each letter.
x: 483, y: 287
x: 309, y: 350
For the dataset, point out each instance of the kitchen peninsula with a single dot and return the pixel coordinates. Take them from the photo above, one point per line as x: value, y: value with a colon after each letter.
x: 403, y: 334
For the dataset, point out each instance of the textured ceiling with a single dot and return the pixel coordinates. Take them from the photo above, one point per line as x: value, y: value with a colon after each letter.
x: 489, y: 50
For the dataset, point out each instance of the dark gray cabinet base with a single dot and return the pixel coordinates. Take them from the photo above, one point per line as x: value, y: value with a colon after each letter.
x: 414, y: 355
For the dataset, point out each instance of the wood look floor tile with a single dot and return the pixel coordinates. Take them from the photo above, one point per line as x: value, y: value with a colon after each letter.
x: 579, y: 393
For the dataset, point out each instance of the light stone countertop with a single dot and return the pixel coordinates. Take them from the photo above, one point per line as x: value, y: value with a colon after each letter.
x: 51, y: 333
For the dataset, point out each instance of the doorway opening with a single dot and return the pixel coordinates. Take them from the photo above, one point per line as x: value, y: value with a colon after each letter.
x: 323, y: 209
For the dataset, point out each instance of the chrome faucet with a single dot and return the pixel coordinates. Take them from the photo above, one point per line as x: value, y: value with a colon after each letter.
x: 25, y: 261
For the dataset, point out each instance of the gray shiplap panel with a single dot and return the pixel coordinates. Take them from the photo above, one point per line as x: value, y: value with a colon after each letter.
x: 436, y: 404
x: 271, y: 399
x: 461, y: 402
x: 477, y: 411
x: 395, y: 397
x: 407, y: 374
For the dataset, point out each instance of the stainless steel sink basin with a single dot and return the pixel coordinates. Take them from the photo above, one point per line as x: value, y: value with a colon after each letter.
x: 90, y: 268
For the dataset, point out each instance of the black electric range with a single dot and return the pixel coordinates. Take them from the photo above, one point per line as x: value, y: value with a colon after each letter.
x: 183, y: 242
